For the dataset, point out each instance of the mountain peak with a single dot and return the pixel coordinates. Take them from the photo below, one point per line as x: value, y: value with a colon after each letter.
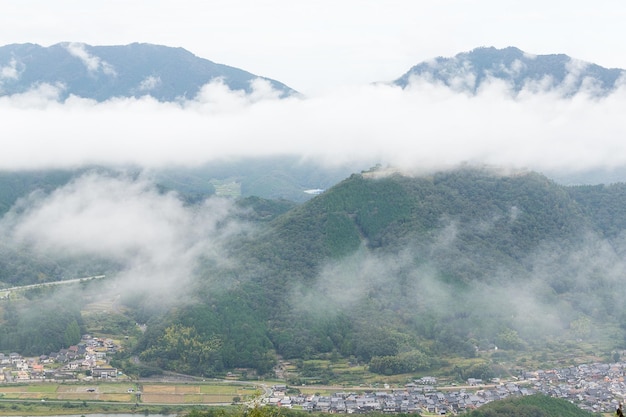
x: 469, y: 71
x: 102, y: 72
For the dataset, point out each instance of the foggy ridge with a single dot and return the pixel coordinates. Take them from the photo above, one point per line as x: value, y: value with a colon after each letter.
x: 468, y: 71
x: 105, y: 72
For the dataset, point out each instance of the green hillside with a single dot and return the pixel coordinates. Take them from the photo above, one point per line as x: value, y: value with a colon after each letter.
x: 496, y: 216
x: 404, y: 274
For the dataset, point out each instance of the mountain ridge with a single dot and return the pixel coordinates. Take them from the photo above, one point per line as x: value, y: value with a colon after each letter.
x: 468, y: 71
x: 170, y: 73
x: 103, y: 72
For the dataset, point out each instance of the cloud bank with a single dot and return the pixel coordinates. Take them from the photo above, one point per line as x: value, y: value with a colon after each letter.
x: 426, y: 126
x: 154, y: 237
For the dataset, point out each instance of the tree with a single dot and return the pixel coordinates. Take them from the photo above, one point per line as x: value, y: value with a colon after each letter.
x: 72, y: 333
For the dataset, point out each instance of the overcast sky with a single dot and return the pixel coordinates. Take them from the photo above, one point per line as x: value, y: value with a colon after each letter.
x: 315, y: 45
x: 331, y: 51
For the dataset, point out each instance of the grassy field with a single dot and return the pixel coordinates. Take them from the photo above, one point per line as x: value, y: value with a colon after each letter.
x: 196, y: 393
x: 227, y: 188
x: 174, y: 394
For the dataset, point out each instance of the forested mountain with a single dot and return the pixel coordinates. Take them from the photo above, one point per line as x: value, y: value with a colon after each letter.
x: 468, y: 71
x: 399, y: 272
x: 104, y: 72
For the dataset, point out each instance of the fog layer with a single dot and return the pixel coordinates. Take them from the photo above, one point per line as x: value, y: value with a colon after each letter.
x: 426, y: 126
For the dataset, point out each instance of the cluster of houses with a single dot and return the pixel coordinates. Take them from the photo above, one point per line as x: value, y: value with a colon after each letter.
x: 87, y: 359
x: 595, y: 387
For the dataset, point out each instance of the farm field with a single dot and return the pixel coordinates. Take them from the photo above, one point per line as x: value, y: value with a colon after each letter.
x: 130, y: 392
x: 196, y: 393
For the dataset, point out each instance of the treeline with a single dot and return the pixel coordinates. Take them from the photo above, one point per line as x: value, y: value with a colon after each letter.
x: 42, y: 325
x: 208, y: 338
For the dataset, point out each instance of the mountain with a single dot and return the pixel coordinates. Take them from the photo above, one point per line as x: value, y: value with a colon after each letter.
x: 402, y: 272
x: 104, y: 72
x: 398, y: 272
x: 468, y: 71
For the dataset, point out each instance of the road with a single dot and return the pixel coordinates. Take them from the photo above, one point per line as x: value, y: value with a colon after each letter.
x: 51, y: 283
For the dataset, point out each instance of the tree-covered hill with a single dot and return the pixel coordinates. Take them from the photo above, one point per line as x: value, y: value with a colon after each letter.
x: 399, y: 272
x: 604, y: 205
x: 495, y: 219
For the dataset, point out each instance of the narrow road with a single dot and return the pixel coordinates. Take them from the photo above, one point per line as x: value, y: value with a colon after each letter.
x: 51, y: 283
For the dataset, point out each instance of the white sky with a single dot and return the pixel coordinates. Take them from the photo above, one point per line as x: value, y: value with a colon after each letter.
x: 315, y: 45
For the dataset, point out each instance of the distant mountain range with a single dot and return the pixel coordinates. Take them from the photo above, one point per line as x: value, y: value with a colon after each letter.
x: 103, y: 72
x: 167, y: 74
x: 468, y: 71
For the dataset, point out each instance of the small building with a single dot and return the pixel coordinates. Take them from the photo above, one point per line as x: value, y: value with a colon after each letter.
x: 104, y: 372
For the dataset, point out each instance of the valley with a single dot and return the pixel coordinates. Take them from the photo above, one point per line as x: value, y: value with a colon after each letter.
x: 447, y: 241
x: 596, y: 387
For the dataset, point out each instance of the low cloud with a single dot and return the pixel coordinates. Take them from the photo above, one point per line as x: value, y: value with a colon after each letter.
x: 149, y: 83
x: 157, y: 240
x: 9, y: 72
x: 541, y: 298
x: 93, y: 63
x: 425, y: 126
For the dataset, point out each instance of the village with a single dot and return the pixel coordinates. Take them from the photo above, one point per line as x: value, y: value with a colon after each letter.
x: 597, y: 388
x: 89, y: 359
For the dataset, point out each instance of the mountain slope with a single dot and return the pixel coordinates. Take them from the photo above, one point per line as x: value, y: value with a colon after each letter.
x: 468, y: 71
x: 103, y: 72
x: 503, y: 216
x: 401, y: 273
x: 380, y: 256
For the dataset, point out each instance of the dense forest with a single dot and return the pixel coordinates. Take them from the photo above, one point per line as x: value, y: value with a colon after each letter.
x: 397, y: 272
